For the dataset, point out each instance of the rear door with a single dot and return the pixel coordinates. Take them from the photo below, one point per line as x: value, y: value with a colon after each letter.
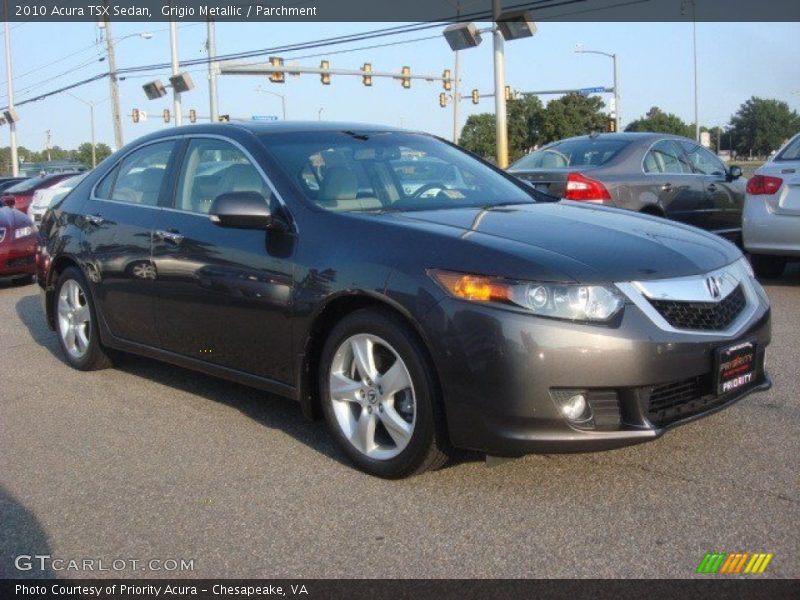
x: 724, y: 198
x: 223, y: 295
x: 670, y: 184
x: 117, y: 224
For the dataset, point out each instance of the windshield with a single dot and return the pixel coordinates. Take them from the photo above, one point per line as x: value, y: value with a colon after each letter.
x: 348, y: 171
x: 571, y: 153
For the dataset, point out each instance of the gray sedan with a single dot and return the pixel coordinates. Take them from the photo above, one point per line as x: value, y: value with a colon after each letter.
x: 653, y: 173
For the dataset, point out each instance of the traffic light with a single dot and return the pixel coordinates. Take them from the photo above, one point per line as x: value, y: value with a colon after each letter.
x: 277, y: 76
x: 476, y: 96
x: 135, y: 115
x: 447, y: 83
x: 167, y: 116
x: 442, y: 99
x: 612, y: 125
x: 367, y: 78
x: 192, y: 116
x: 325, y: 78
x: 508, y: 93
x: 224, y: 118
x: 406, y: 79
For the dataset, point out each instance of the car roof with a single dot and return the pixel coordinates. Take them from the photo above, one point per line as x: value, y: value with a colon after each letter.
x: 628, y: 136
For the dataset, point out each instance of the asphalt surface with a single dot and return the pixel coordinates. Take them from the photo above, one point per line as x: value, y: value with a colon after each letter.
x: 150, y: 461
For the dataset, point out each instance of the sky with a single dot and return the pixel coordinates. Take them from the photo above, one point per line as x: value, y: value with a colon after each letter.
x: 735, y: 61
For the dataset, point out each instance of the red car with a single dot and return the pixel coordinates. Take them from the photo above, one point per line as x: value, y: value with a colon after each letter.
x: 19, y: 196
x: 18, y: 242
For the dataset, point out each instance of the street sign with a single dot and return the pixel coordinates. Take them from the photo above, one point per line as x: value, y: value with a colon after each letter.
x: 592, y: 90
x: 264, y: 118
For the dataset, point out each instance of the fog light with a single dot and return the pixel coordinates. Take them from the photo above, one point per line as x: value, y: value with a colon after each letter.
x: 574, y: 407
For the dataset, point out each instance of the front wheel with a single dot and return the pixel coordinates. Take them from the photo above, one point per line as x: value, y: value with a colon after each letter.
x: 76, y: 323
x: 379, y: 397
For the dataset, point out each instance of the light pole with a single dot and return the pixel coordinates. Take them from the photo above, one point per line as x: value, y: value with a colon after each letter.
x: 319, y: 114
x: 694, y: 52
x: 281, y: 96
x: 176, y: 96
x: 613, y: 57
x: 211, y: 45
x: 12, y: 126
x: 111, y: 43
x: 91, y: 104
x: 501, y: 122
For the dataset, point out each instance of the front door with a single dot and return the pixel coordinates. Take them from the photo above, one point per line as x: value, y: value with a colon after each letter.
x: 725, y: 199
x: 223, y: 295
x: 117, y: 223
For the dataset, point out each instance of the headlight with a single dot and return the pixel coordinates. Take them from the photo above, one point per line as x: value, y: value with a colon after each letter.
x: 561, y: 301
x: 23, y: 232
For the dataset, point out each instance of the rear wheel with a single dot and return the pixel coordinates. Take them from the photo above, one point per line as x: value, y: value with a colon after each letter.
x: 378, y: 396
x: 768, y: 267
x: 76, y: 323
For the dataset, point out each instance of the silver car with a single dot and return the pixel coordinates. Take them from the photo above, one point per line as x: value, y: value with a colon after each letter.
x: 771, y: 218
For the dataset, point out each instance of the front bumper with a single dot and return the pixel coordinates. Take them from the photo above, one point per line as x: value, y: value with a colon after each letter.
x: 18, y: 257
x: 498, y: 370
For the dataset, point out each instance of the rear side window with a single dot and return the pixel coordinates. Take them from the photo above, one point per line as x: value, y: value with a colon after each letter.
x: 139, y: 177
x: 665, y: 157
x: 572, y: 153
x: 792, y: 151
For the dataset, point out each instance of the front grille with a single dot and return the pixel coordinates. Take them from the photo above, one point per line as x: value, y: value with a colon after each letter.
x: 702, y: 315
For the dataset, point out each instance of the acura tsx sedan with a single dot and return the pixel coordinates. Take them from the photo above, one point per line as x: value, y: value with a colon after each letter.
x: 416, y: 297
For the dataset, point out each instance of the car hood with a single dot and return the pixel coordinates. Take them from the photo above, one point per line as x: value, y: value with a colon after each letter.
x: 588, y: 243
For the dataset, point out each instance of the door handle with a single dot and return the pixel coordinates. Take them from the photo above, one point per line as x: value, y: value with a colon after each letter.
x: 169, y: 236
x: 94, y: 219
x: 667, y: 187
x: 712, y: 187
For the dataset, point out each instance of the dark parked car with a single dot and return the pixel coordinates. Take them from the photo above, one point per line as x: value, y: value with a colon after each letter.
x: 654, y: 173
x: 18, y: 241
x: 291, y: 257
x: 7, y: 182
x: 20, y: 195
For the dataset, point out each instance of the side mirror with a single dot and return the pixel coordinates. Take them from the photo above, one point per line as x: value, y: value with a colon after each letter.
x: 242, y: 210
x: 734, y: 172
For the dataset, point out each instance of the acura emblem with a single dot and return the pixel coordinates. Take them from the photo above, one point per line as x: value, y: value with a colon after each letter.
x: 712, y: 285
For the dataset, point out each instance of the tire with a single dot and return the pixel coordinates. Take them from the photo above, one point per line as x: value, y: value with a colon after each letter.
x: 390, y: 433
x: 76, y: 323
x: 768, y: 267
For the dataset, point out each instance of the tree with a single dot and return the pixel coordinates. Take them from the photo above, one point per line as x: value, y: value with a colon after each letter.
x: 571, y: 115
x: 478, y: 135
x: 83, y: 153
x: 658, y: 121
x: 762, y: 125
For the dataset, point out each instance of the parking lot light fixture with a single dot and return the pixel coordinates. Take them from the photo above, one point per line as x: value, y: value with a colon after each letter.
x: 580, y: 50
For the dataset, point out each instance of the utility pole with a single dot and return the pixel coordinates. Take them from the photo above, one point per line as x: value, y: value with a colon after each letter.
x: 47, y: 144
x: 456, y: 98
x: 12, y: 126
x: 173, y: 41
x: 499, y: 88
x: 116, y: 119
x: 616, y: 93
x: 694, y: 52
x: 211, y: 45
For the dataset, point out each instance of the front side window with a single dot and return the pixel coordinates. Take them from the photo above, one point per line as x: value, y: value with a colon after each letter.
x: 665, y: 157
x: 214, y: 167
x: 702, y: 160
x: 139, y: 176
x: 356, y: 171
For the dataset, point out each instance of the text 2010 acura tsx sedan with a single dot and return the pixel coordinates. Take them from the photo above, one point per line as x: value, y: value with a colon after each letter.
x: 417, y: 297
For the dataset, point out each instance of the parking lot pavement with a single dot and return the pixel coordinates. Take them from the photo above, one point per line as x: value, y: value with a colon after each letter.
x: 151, y: 461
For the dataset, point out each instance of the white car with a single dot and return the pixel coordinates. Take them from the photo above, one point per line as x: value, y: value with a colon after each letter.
x: 771, y: 217
x: 46, y: 197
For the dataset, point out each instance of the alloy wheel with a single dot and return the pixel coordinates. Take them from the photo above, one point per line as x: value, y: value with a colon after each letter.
x: 372, y: 396
x: 74, y: 318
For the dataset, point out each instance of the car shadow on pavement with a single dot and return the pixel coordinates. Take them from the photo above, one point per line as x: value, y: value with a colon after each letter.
x: 21, y: 535
x: 269, y: 410
x: 790, y: 277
